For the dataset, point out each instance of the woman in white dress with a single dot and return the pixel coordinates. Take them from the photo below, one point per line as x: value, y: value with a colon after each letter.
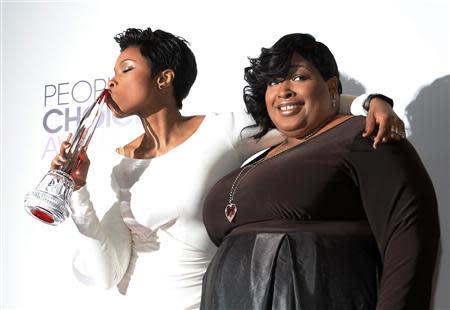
x: 152, y: 243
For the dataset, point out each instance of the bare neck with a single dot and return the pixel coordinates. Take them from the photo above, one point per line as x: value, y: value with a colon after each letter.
x: 163, y: 130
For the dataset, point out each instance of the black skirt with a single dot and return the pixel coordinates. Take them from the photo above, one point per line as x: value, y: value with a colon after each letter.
x: 305, y: 270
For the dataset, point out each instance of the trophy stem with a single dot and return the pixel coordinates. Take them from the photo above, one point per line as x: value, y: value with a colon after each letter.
x: 83, y: 134
x: 49, y: 202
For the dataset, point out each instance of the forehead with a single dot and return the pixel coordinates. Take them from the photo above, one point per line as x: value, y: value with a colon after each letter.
x: 131, y: 53
x: 297, y: 61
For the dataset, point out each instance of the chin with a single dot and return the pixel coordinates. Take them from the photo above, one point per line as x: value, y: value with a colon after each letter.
x: 290, y: 125
x: 115, y: 110
x: 121, y: 114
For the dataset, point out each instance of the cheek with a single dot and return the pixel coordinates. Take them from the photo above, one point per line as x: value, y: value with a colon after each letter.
x: 269, y: 98
x: 322, y: 92
x: 140, y: 89
x: 319, y: 96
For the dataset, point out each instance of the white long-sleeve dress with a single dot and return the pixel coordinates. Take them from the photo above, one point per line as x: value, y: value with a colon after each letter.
x: 152, y: 242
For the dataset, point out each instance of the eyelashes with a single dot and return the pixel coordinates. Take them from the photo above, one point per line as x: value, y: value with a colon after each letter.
x: 295, y: 78
x: 300, y: 77
x: 274, y: 82
x: 127, y: 68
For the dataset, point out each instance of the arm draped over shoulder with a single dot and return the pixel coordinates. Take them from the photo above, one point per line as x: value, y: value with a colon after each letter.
x: 401, y: 207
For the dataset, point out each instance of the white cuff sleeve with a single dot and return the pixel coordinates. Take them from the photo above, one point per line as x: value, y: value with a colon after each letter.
x: 83, y: 213
x: 79, y: 202
x: 356, y: 107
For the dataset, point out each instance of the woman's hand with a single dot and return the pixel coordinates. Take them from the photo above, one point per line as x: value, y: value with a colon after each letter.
x: 390, y: 126
x: 80, y: 173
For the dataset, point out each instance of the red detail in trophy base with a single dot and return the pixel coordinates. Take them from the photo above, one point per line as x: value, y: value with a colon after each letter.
x: 42, y: 215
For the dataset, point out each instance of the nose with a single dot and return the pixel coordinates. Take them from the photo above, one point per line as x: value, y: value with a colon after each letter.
x: 285, y: 91
x: 112, y: 83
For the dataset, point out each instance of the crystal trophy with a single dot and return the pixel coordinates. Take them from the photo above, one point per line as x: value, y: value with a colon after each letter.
x: 49, y: 202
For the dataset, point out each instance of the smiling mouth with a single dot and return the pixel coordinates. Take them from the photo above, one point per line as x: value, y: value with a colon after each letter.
x: 287, y: 109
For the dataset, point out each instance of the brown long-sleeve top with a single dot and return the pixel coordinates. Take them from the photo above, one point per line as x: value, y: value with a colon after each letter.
x: 338, y: 176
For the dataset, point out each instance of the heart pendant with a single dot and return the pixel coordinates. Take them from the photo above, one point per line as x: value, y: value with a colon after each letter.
x: 230, y: 211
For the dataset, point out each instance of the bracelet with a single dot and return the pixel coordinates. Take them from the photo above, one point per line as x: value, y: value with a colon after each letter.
x: 366, y: 103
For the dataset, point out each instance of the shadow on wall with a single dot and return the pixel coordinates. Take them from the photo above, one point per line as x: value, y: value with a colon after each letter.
x: 428, y: 116
x: 351, y: 86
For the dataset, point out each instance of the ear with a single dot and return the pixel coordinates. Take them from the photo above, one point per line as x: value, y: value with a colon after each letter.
x: 165, y: 78
x: 333, y: 88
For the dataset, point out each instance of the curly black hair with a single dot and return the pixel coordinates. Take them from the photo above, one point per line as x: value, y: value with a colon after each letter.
x: 275, y: 62
x: 163, y: 50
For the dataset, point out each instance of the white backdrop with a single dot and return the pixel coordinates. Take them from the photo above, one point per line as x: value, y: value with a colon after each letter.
x: 55, y: 54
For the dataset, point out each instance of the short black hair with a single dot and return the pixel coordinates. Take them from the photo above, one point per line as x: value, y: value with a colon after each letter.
x: 164, y: 50
x: 275, y: 62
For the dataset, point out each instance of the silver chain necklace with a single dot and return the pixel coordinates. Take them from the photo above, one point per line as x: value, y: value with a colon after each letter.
x: 231, y: 208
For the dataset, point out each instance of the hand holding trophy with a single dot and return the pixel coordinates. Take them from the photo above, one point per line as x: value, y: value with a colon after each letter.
x: 49, y: 202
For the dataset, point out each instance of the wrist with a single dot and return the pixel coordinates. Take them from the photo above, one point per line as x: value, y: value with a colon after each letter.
x: 386, y: 99
x: 79, y: 185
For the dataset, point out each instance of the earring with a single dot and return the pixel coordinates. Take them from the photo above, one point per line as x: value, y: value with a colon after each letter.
x: 333, y: 102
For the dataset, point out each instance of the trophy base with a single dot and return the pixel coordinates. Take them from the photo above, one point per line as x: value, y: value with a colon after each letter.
x: 47, y: 208
x: 49, y: 202
x: 43, y: 215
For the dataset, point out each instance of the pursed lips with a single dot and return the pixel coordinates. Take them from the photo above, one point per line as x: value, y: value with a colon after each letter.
x: 111, y: 104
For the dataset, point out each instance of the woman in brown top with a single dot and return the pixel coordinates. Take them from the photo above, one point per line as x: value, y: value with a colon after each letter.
x: 321, y: 221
